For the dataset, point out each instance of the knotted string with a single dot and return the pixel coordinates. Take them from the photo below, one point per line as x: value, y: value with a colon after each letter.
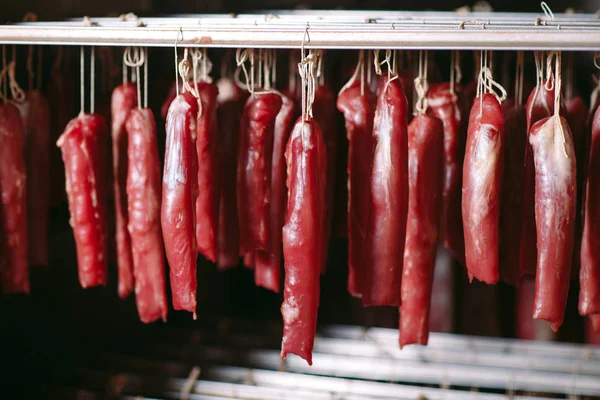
x: 421, y: 85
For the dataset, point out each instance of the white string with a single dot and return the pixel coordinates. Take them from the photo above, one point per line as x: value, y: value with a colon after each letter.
x: 82, y: 79
x: 421, y: 86
x: 92, y: 78
x: 519, y: 73
x: 184, y: 70
x: 177, y: 41
x: 146, y: 77
x: 4, y: 86
x: 134, y: 57
x: 357, y: 70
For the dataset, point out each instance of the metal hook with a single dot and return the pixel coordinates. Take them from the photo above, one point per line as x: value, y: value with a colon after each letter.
x: 547, y: 11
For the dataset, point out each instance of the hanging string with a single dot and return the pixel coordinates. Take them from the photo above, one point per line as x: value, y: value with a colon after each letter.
x: 596, y: 91
x: 359, y: 69
x: 549, y: 72
x: 82, y: 80
x: 92, y: 78
x: 569, y: 71
x: 177, y: 41
x: 124, y: 69
x: 184, y: 71
x: 4, y: 86
x: 421, y: 86
x: 260, y: 68
x: 196, y: 55
x: 292, y: 73
x: 146, y: 77
x: 557, y: 92
x: 452, y: 72
x: 241, y: 56
x: 369, y: 61
x: 487, y: 84
x: 134, y: 57
x: 394, y: 66
x: 267, y: 66
x: 274, y: 68
x: 306, y: 70
x: 320, y: 68
x: 519, y: 73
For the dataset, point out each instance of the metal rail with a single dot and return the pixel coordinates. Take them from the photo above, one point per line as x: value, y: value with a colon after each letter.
x: 325, y: 29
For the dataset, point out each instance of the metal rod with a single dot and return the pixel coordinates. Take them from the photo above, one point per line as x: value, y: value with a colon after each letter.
x: 328, y: 29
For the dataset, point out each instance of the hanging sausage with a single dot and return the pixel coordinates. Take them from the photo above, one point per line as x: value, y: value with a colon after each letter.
x: 357, y: 104
x: 482, y: 180
x: 425, y: 182
x: 306, y: 160
x: 555, y: 201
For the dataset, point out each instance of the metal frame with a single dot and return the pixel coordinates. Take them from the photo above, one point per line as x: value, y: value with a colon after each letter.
x: 325, y: 29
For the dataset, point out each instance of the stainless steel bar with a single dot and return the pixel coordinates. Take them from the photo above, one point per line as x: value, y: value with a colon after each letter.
x: 326, y: 29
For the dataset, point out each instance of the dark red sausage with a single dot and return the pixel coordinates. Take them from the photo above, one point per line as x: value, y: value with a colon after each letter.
x: 482, y: 187
x: 14, y: 267
x: 84, y: 159
x: 35, y: 112
x: 555, y: 200
x: 540, y: 104
x: 229, y: 113
x: 143, y: 200
x: 209, y: 180
x: 302, y: 234
x: 388, y: 208
x: 255, y: 154
x: 445, y: 105
x: 425, y: 182
x: 358, y: 110
x: 324, y: 113
x: 124, y: 99
x: 267, y: 264
x: 513, y: 186
x: 589, y: 275
x: 179, y: 193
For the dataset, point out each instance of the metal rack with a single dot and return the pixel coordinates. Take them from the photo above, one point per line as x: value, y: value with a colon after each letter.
x: 242, y: 361
x: 326, y: 29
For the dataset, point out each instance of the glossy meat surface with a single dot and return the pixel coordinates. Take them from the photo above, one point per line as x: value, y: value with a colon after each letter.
x: 555, y: 200
x: 124, y: 99
x: 143, y: 200
x: 425, y: 180
x: 179, y: 193
x: 358, y: 109
x: 302, y: 234
x: 388, y: 203
x: 482, y: 187
x: 84, y: 159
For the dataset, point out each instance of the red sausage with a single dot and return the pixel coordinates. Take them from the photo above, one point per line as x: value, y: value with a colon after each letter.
x: 179, y: 193
x: 482, y: 187
x: 513, y: 186
x: 267, y: 264
x: 324, y: 113
x: 445, y: 105
x: 255, y: 154
x: 36, y: 124
x: 302, y: 234
x: 14, y: 267
x: 425, y: 182
x: 540, y: 104
x: 555, y: 200
x: 207, y: 202
x: 386, y: 228
x: 124, y: 99
x: 143, y: 200
x: 358, y: 110
x: 589, y: 275
x: 229, y: 113
x: 84, y: 159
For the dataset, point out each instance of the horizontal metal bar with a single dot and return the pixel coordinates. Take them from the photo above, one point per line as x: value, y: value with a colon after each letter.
x: 326, y: 29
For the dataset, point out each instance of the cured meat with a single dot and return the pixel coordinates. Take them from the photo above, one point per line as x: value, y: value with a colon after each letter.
x: 324, y: 113
x: 14, y: 268
x: 445, y: 105
x: 35, y: 113
x: 388, y: 207
x: 179, y: 193
x: 555, y: 200
x: 425, y: 182
x: 143, y: 200
x: 84, y: 159
x: 589, y: 275
x: 229, y: 113
x: 592, y: 329
x: 482, y: 187
x: 513, y: 186
x: 302, y: 235
x: 540, y: 104
x: 124, y: 99
x: 267, y: 264
x: 207, y: 202
x: 255, y: 154
x: 358, y: 110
